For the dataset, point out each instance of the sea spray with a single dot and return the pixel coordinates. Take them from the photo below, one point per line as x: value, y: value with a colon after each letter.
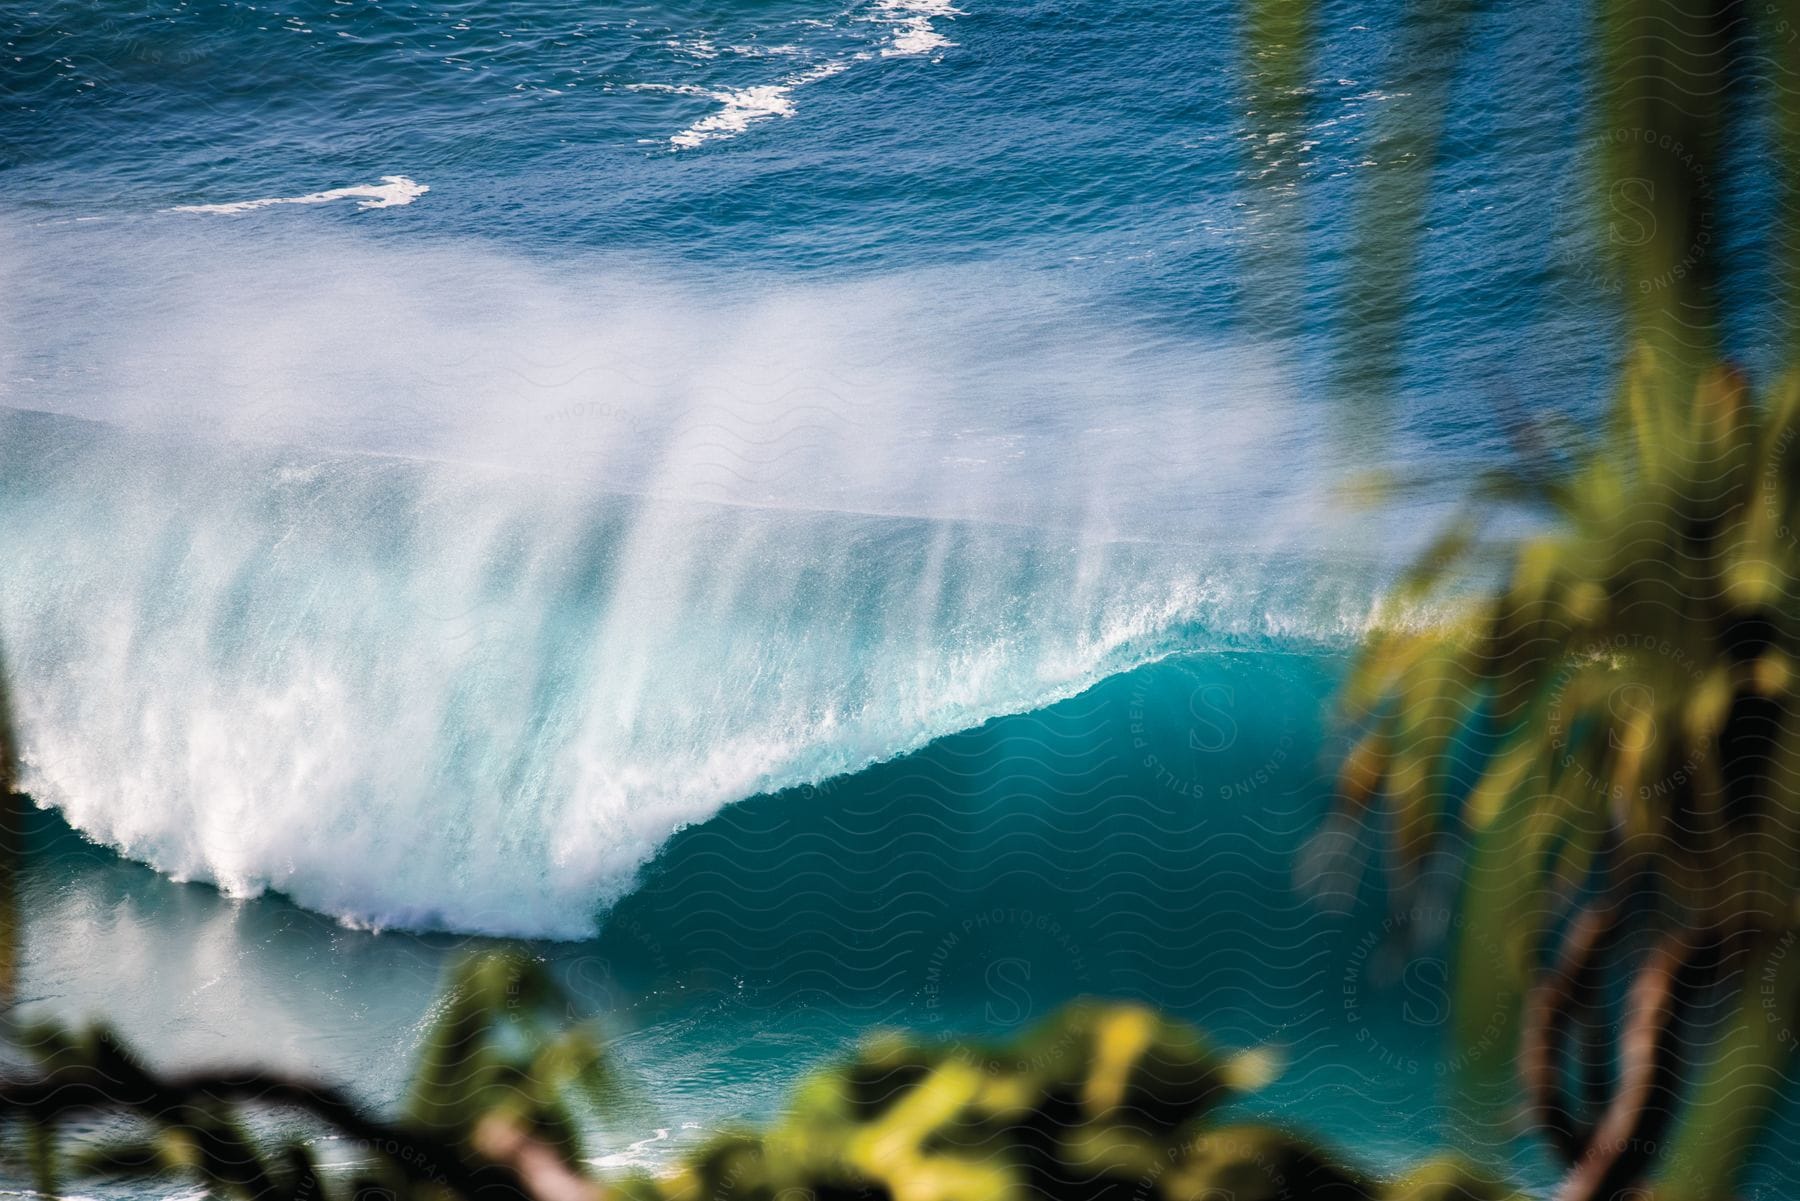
x: 427, y: 695
x: 437, y: 586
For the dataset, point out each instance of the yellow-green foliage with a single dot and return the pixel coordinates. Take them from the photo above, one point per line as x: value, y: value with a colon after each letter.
x: 501, y: 1056
x: 1635, y: 678
x: 501, y: 1047
x: 1638, y: 666
x: 1102, y: 1101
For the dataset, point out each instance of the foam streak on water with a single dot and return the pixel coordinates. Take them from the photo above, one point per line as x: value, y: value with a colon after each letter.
x: 905, y: 29
x: 741, y: 107
x: 392, y: 192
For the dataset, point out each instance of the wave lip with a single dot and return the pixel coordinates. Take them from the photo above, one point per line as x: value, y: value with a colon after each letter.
x: 394, y: 191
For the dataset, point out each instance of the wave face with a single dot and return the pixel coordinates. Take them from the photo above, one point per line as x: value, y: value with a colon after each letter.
x: 486, y: 442
x: 430, y: 695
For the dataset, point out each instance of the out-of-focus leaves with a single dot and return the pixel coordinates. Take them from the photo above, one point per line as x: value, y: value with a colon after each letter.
x: 1391, y: 218
x: 1498, y: 922
x: 1632, y: 682
x: 1665, y: 67
x: 1779, y: 61
x: 1627, y: 706
x: 1450, y: 1180
x: 498, y: 1047
x: 1633, y: 669
x: 1748, y: 1069
x: 1101, y: 1100
x: 1279, y: 45
x: 501, y: 1058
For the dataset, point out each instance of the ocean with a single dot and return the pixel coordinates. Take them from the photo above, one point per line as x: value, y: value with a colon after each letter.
x: 784, y: 506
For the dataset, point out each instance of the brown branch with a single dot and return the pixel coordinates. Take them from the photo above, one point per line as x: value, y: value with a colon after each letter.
x: 1651, y: 1051
x: 422, y: 1157
x: 1573, y: 986
x: 547, y: 1177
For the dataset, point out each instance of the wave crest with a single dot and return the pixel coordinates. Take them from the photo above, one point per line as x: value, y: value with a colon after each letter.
x: 432, y: 696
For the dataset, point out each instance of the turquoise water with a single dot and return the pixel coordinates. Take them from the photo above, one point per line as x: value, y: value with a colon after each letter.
x: 526, y: 434
x: 784, y: 505
x: 1117, y: 843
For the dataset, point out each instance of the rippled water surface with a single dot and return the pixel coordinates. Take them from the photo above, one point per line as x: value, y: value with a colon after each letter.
x: 784, y: 501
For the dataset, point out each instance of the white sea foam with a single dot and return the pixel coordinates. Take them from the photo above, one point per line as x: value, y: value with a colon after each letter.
x: 643, y: 1153
x: 908, y: 29
x: 741, y: 107
x: 915, y: 32
x: 392, y: 192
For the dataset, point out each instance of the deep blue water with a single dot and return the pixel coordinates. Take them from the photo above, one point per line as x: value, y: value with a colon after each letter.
x: 789, y: 503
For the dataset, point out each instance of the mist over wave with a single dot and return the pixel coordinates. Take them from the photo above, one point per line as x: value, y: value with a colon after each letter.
x: 985, y: 393
x: 451, y: 617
